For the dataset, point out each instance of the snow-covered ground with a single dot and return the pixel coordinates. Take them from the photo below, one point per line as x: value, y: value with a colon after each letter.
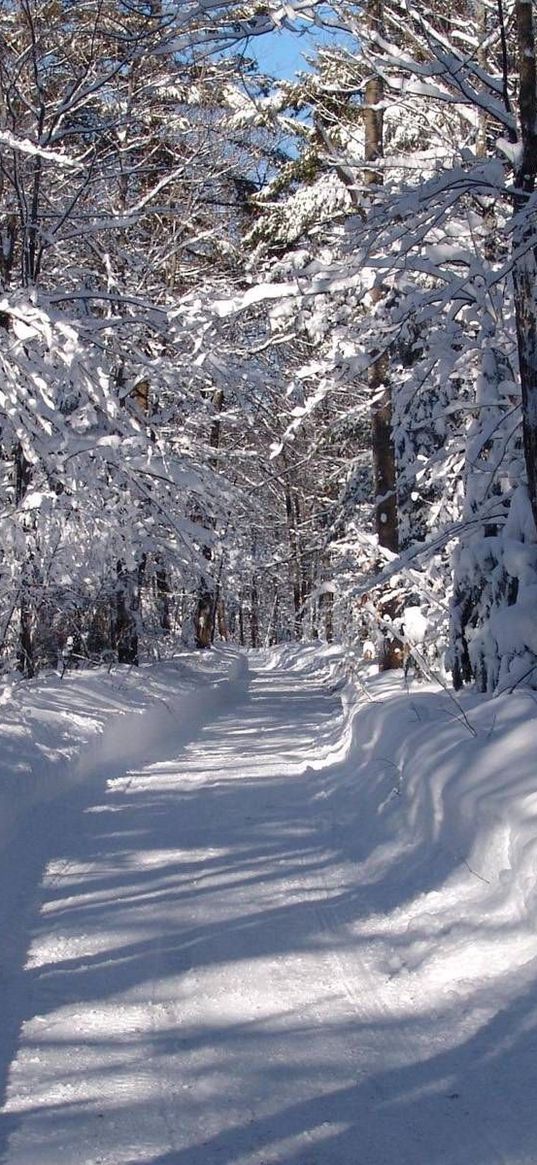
x: 253, y: 915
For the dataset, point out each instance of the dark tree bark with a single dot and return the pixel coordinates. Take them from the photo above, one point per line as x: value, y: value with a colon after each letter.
x: 525, y: 242
x: 327, y: 610
x: 163, y: 595
x: 221, y: 620
x: 384, y: 463
x: 126, y: 606
x: 254, y: 614
x: 205, y: 612
x: 292, y: 511
x: 242, y: 640
x: 272, y: 629
x: 25, y: 655
x: 128, y: 599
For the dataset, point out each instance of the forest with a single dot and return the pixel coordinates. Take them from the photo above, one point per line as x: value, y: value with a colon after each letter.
x: 269, y: 349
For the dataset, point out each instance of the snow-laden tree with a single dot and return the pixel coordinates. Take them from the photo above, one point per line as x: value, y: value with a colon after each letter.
x: 268, y: 380
x: 121, y: 189
x: 438, y: 269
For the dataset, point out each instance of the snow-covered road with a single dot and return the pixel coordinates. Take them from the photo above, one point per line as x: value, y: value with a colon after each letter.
x: 198, y: 991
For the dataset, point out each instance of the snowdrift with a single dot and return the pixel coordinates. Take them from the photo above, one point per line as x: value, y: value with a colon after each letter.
x: 57, y: 732
x: 435, y: 801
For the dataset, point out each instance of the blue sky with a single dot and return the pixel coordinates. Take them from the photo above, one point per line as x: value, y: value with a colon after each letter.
x: 283, y: 53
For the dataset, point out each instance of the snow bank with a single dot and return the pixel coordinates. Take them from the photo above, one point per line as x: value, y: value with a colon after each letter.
x: 436, y: 803
x: 57, y: 732
x: 430, y: 805
x: 317, y: 659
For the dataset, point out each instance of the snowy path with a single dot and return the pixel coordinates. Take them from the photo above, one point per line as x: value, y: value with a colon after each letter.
x: 194, y: 992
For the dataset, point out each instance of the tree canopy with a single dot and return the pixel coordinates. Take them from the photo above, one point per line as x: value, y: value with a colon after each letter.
x: 269, y: 349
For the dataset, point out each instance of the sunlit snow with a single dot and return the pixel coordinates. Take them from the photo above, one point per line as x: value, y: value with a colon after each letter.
x: 254, y: 914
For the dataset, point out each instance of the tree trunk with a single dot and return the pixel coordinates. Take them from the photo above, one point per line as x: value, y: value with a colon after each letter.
x: 25, y: 655
x: 205, y: 612
x: 384, y: 462
x: 272, y: 634
x: 163, y: 595
x: 292, y: 511
x: 125, y: 617
x: 221, y: 622
x: 128, y: 600
x: 327, y: 610
x: 204, y: 615
x: 525, y: 243
x: 254, y: 614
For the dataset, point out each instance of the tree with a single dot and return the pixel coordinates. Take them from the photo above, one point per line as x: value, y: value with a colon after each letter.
x: 525, y: 241
x: 119, y: 196
x: 419, y: 236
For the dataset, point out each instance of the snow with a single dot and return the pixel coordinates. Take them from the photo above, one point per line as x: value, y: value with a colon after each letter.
x: 24, y: 146
x: 415, y: 625
x: 273, y: 917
